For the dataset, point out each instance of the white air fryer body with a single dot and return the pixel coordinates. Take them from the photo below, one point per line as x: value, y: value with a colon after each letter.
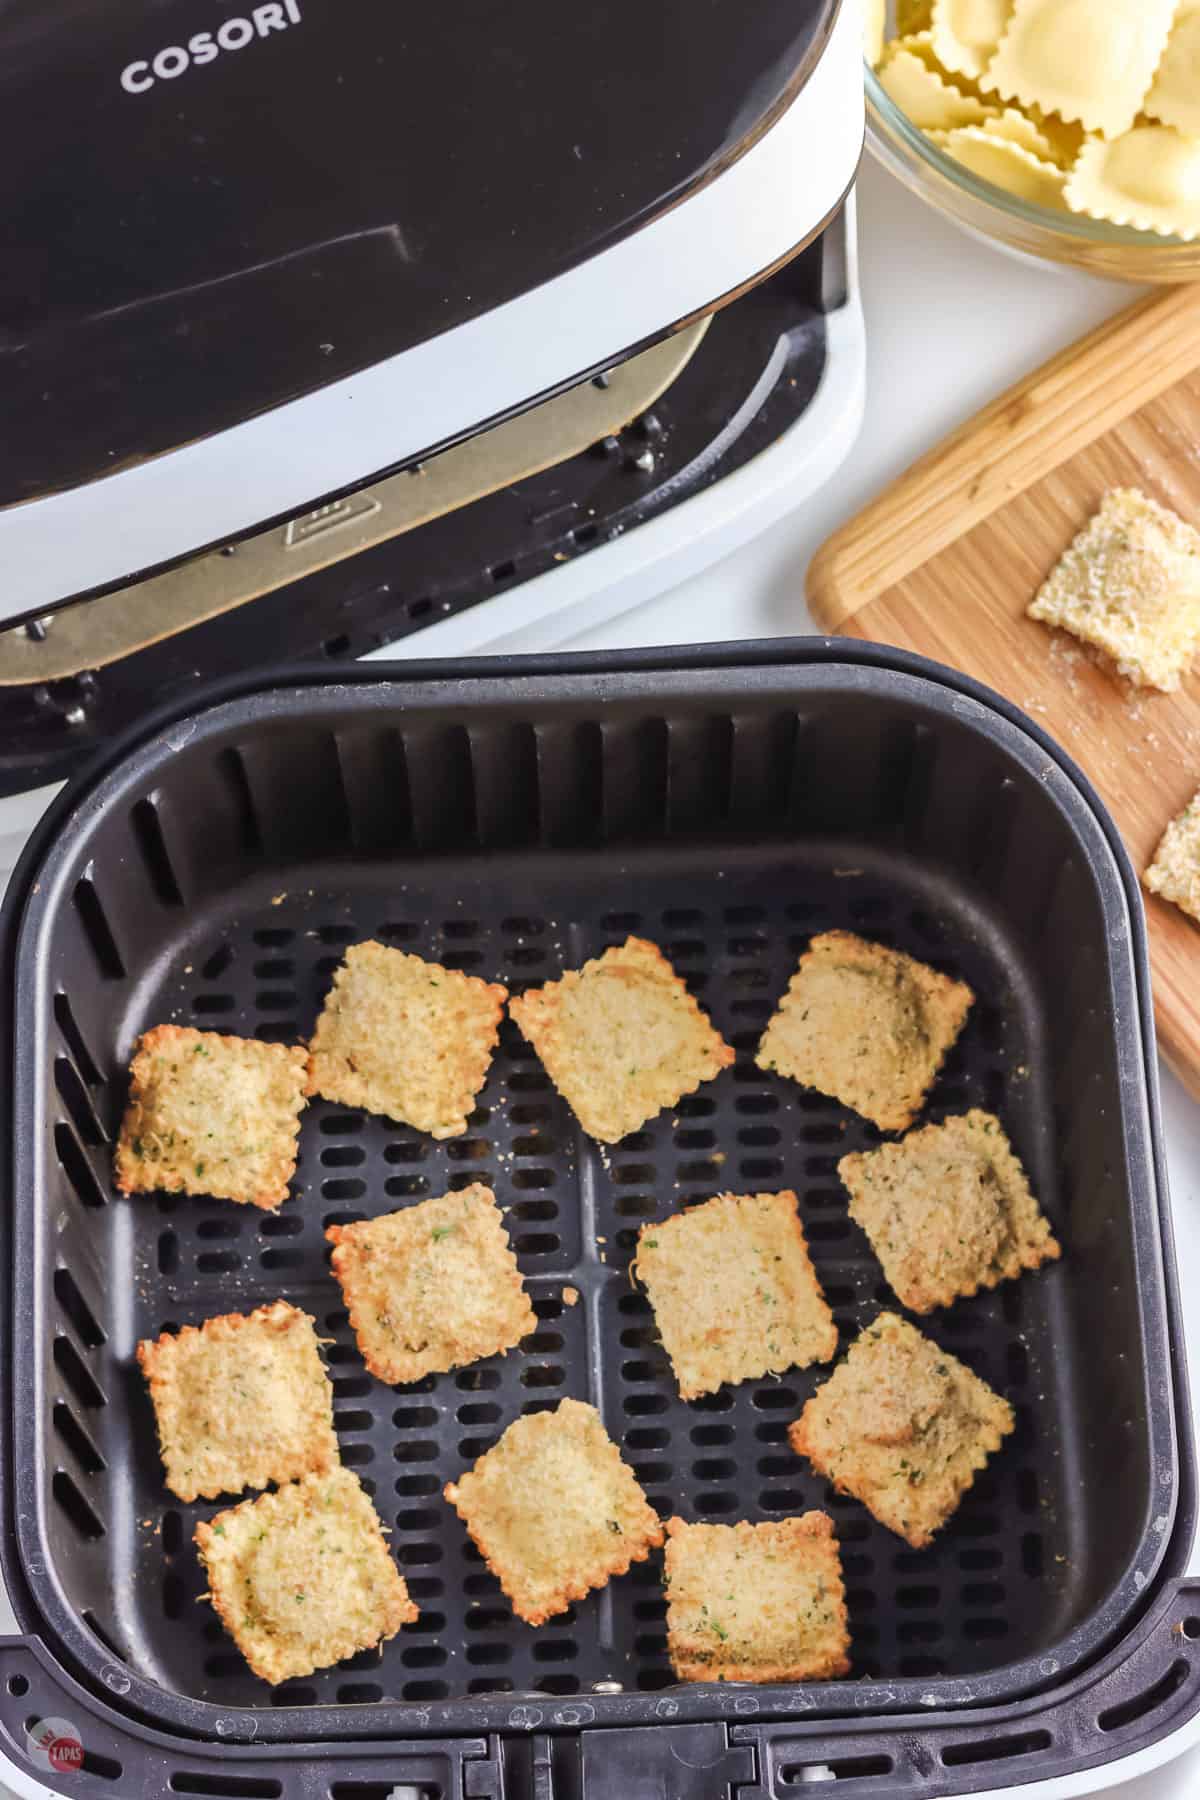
x: 723, y: 235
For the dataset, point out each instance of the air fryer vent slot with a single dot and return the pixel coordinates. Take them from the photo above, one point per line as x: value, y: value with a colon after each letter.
x: 846, y: 1768
x: 77, y: 1375
x: 74, y: 1097
x: 107, y: 1768
x: 85, y: 1062
x: 77, y: 1440
x: 85, y: 1521
x: 997, y: 1749
x: 226, y: 1787
x: 148, y: 832
x: 382, y: 1790
x: 1117, y: 1717
x: 77, y: 1310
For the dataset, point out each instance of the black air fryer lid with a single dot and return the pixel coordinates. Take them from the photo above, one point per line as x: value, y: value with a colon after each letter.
x: 212, y: 210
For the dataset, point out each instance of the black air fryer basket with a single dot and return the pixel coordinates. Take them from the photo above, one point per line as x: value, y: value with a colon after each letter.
x: 512, y: 819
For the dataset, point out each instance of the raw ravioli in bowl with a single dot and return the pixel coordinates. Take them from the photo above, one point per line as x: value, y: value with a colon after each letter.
x: 1063, y: 130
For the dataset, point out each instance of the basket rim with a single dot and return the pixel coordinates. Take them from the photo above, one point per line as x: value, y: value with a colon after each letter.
x: 42, y: 1609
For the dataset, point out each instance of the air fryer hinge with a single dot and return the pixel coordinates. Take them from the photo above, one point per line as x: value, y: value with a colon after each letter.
x: 483, y: 1777
x: 650, y: 1762
x: 659, y: 1762
x: 96, y: 632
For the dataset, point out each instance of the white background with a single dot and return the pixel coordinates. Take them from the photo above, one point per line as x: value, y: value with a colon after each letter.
x: 949, y: 324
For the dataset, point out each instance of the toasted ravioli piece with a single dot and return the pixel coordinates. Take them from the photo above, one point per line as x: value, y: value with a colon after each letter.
x: 904, y: 1427
x: 242, y: 1401
x: 1175, y: 871
x: 1129, y: 583
x: 554, y: 1510
x: 432, y: 1287
x: 965, y: 33
x: 1004, y: 162
x: 1149, y: 178
x: 948, y: 1211
x: 209, y: 1114
x: 621, y: 1038
x: 1174, y: 95
x: 302, y: 1578
x: 756, y: 1602
x: 868, y: 1025
x: 406, y: 1038
x: 1090, y: 63
x: 734, y: 1292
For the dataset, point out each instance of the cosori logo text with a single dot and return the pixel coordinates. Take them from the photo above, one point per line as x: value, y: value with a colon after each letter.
x: 206, y: 46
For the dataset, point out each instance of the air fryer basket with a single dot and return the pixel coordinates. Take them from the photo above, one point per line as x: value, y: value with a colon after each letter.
x: 513, y: 820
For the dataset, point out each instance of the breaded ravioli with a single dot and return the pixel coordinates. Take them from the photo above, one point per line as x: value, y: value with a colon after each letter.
x: 210, y: 1114
x: 303, y: 1578
x: 405, y: 1038
x: 621, y: 1038
x: 756, y: 1602
x: 867, y: 1025
x: 242, y: 1401
x: 734, y: 1291
x: 948, y: 1210
x: 903, y: 1426
x: 1129, y: 583
x: 554, y: 1511
x: 432, y: 1287
x: 1175, y: 871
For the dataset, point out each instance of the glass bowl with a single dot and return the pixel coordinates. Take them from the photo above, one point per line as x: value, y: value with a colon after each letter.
x: 1026, y: 230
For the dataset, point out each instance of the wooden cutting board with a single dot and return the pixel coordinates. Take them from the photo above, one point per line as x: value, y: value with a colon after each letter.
x: 945, y: 561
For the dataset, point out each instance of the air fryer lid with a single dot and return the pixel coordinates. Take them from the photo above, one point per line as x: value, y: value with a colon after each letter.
x: 211, y: 210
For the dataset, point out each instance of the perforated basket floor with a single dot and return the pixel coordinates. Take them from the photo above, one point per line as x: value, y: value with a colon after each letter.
x: 985, y: 1594
x: 217, y: 880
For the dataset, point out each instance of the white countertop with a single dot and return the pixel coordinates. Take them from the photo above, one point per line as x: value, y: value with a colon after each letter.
x: 949, y: 323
